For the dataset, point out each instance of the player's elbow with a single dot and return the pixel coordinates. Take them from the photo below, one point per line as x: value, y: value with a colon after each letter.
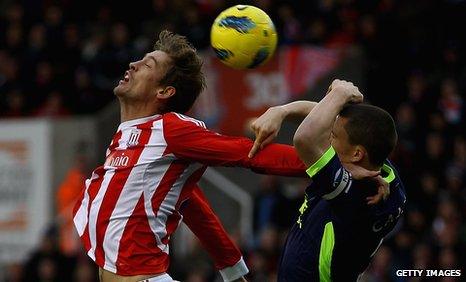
x: 300, y: 139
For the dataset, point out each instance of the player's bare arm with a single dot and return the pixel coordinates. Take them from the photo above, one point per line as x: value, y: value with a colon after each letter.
x: 267, y: 126
x: 312, y: 137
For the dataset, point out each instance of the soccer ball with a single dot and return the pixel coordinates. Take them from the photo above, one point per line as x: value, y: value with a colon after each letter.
x: 243, y: 37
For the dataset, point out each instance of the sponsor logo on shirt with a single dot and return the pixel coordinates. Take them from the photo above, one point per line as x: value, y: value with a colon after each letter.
x: 119, y: 159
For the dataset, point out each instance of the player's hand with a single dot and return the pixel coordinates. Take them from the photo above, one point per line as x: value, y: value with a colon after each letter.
x: 383, y: 191
x: 346, y: 89
x: 266, y: 128
x: 358, y: 172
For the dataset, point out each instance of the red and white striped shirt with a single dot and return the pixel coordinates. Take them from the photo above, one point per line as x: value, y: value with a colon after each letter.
x: 130, y: 206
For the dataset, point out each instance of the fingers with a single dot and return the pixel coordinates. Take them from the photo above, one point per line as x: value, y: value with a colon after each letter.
x: 348, y: 89
x: 268, y: 140
x: 384, y: 187
x: 259, y: 136
x: 364, y: 173
x: 255, y: 147
x: 253, y: 125
x: 373, y: 200
x: 263, y: 138
x: 383, y: 191
x: 359, y: 172
x: 266, y: 128
x: 373, y: 173
x: 358, y: 97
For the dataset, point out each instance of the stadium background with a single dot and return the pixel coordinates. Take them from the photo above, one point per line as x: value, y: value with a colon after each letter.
x: 59, y: 61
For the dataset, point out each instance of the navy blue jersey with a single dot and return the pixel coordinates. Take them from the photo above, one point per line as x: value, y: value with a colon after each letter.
x: 337, y: 232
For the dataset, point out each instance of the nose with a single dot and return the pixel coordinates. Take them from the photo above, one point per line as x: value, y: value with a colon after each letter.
x: 132, y: 66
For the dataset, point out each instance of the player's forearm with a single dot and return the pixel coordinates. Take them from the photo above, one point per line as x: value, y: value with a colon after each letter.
x: 312, y: 137
x: 297, y: 110
x: 278, y: 159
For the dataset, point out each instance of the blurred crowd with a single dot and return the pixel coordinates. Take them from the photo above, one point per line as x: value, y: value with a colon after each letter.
x: 60, y: 58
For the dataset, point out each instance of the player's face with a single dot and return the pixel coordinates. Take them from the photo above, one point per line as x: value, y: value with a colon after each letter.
x: 142, y: 80
x: 340, y: 140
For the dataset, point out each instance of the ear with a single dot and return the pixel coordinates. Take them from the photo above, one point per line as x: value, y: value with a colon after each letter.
x: 358, y: 153
x: 165, y: 92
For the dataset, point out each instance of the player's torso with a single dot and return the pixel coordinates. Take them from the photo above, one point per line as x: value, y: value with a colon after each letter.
x: 357, y: 227
x: 349, y: 207
x: 130, y: 203
x: 139, y: 166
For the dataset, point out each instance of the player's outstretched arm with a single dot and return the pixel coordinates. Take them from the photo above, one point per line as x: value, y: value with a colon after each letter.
x: 202, y: 221
x: 312, y: 137
x: 267, y: 126
x: 191, y: 141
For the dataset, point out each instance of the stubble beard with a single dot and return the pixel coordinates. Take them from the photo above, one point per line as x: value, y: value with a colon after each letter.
x: 118, y: 91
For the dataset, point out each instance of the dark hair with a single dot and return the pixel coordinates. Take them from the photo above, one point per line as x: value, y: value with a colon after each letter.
x: 371, y: 127
x: 184, y: 73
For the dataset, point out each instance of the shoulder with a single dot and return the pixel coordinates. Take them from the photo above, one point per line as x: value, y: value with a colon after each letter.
x: 397, y: 188
x: 176, y: 119
x: 182, y: 127
x: 325, y: 165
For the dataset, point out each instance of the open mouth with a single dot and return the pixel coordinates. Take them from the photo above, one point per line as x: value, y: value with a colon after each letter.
x: 125, y: 78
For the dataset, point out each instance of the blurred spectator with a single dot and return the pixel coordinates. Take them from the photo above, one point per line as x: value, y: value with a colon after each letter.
x: 315, y: 32
x: 451, y: 103
x: 427, y: 197
x: 418, y: 95
x: 422, y: 257
x: 268, y: 246
x: 67, y: 194
x: 290, y: 26
x: 258, y: 267
x: 53, y: 19
x: 85, y: 98
x: 37, y: 45
x: 53, y: 106
x: 435, y: 152
x: 9, y: 72
x: 194, y: 29
x: 406, y: 128
x: 381, y: 267
x: 264, y: 202
x: 276, y: 204
x: 15, y: 106
x: 85, y: 270
x: 44, y: 83
x: 14, y: 39
x: 14, y: 272
x: 47, y: 263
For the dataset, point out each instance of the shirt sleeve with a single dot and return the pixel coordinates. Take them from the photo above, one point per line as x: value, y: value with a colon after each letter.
x: 329, y: 177
x: 188, y: 139
x: 202, y: 221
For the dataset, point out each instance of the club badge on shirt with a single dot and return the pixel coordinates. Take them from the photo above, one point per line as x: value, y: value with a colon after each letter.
x: 133, y: 137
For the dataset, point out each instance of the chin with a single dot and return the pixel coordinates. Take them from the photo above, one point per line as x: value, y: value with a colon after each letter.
x: 118, y: 91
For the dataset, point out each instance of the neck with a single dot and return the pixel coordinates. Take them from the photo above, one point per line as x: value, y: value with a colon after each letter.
x: 135, y: 110
x: 364, y: 163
